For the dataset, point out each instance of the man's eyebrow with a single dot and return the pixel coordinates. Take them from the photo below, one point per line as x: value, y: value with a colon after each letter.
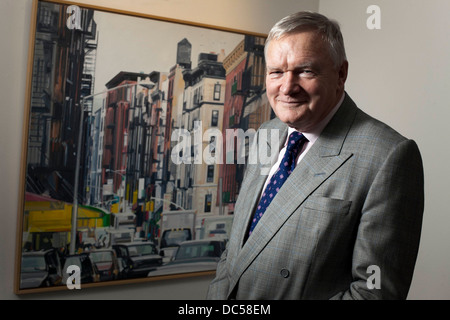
x: 304, y: 65
x: 301, y: 66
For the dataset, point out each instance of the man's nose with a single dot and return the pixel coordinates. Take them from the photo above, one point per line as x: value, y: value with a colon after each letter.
x: 290, y: 84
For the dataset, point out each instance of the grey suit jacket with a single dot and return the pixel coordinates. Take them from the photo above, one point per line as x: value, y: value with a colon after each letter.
x: 355, y: 200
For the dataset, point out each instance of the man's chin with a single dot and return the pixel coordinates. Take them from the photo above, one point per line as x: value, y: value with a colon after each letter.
x: 293, y: 123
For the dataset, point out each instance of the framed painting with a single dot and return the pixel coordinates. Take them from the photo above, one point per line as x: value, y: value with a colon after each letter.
x: 135, y: 138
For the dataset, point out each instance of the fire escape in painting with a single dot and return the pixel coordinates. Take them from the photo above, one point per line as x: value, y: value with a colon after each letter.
x: 63, y: 69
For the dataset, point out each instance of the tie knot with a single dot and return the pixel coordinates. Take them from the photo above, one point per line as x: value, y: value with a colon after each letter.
x: 294, y: 139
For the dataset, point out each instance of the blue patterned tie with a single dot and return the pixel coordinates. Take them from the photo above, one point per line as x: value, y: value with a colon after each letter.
x: 287, y: 165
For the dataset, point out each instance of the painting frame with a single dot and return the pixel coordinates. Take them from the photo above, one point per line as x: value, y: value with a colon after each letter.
x: 55, y: 159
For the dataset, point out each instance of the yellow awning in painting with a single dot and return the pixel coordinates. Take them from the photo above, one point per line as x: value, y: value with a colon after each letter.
x: 60, y: 220
x: 50, y: 220
x: 89, y: 212
x: 43, y: 205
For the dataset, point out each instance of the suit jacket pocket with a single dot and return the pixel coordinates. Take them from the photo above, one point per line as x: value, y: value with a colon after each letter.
x: 323, y: 204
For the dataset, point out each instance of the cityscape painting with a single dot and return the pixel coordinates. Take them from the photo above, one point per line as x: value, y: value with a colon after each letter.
x: 136, y: 135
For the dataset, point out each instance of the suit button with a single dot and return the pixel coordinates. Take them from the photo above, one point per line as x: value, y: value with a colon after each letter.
x: 284, y: 273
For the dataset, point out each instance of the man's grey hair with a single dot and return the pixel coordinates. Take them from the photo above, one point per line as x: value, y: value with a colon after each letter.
x: 307, y: 21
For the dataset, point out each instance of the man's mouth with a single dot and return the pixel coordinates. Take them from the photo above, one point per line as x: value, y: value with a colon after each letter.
x: 292, y: 101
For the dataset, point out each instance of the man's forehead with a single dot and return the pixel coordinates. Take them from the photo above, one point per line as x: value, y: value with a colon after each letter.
x: 297, y: 59
x: 305, y: 49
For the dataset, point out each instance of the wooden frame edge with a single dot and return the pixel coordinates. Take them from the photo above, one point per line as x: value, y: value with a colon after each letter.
x: 24, y: 150
x: 121, y: 282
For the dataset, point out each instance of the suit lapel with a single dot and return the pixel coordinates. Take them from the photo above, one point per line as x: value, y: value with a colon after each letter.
x: 321, y: 161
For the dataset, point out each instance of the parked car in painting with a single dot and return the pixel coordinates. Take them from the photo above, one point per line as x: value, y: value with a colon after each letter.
x: 193, y: 256
x: 106, y: 262
x: 40, y: 269
x: 137, y: 258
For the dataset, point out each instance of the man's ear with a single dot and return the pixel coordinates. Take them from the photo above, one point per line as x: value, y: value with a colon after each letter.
x: 343, y: 72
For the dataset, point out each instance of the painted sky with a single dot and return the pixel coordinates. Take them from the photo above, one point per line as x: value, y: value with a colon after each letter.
x: 127, y: 43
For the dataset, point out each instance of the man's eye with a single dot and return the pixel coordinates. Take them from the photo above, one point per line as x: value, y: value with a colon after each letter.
x: 307, y: 73
x: 275, y: 74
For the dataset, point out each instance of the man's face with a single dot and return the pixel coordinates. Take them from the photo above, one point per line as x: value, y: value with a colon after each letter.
x: 303, y: 85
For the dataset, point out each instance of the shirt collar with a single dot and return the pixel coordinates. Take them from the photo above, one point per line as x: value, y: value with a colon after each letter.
x: 314, y: 134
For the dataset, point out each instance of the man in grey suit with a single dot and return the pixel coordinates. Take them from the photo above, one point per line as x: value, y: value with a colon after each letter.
x: 346, y: 223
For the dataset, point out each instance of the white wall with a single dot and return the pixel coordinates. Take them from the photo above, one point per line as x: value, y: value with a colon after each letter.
x: 250, y: 15
x: 401, y: 74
